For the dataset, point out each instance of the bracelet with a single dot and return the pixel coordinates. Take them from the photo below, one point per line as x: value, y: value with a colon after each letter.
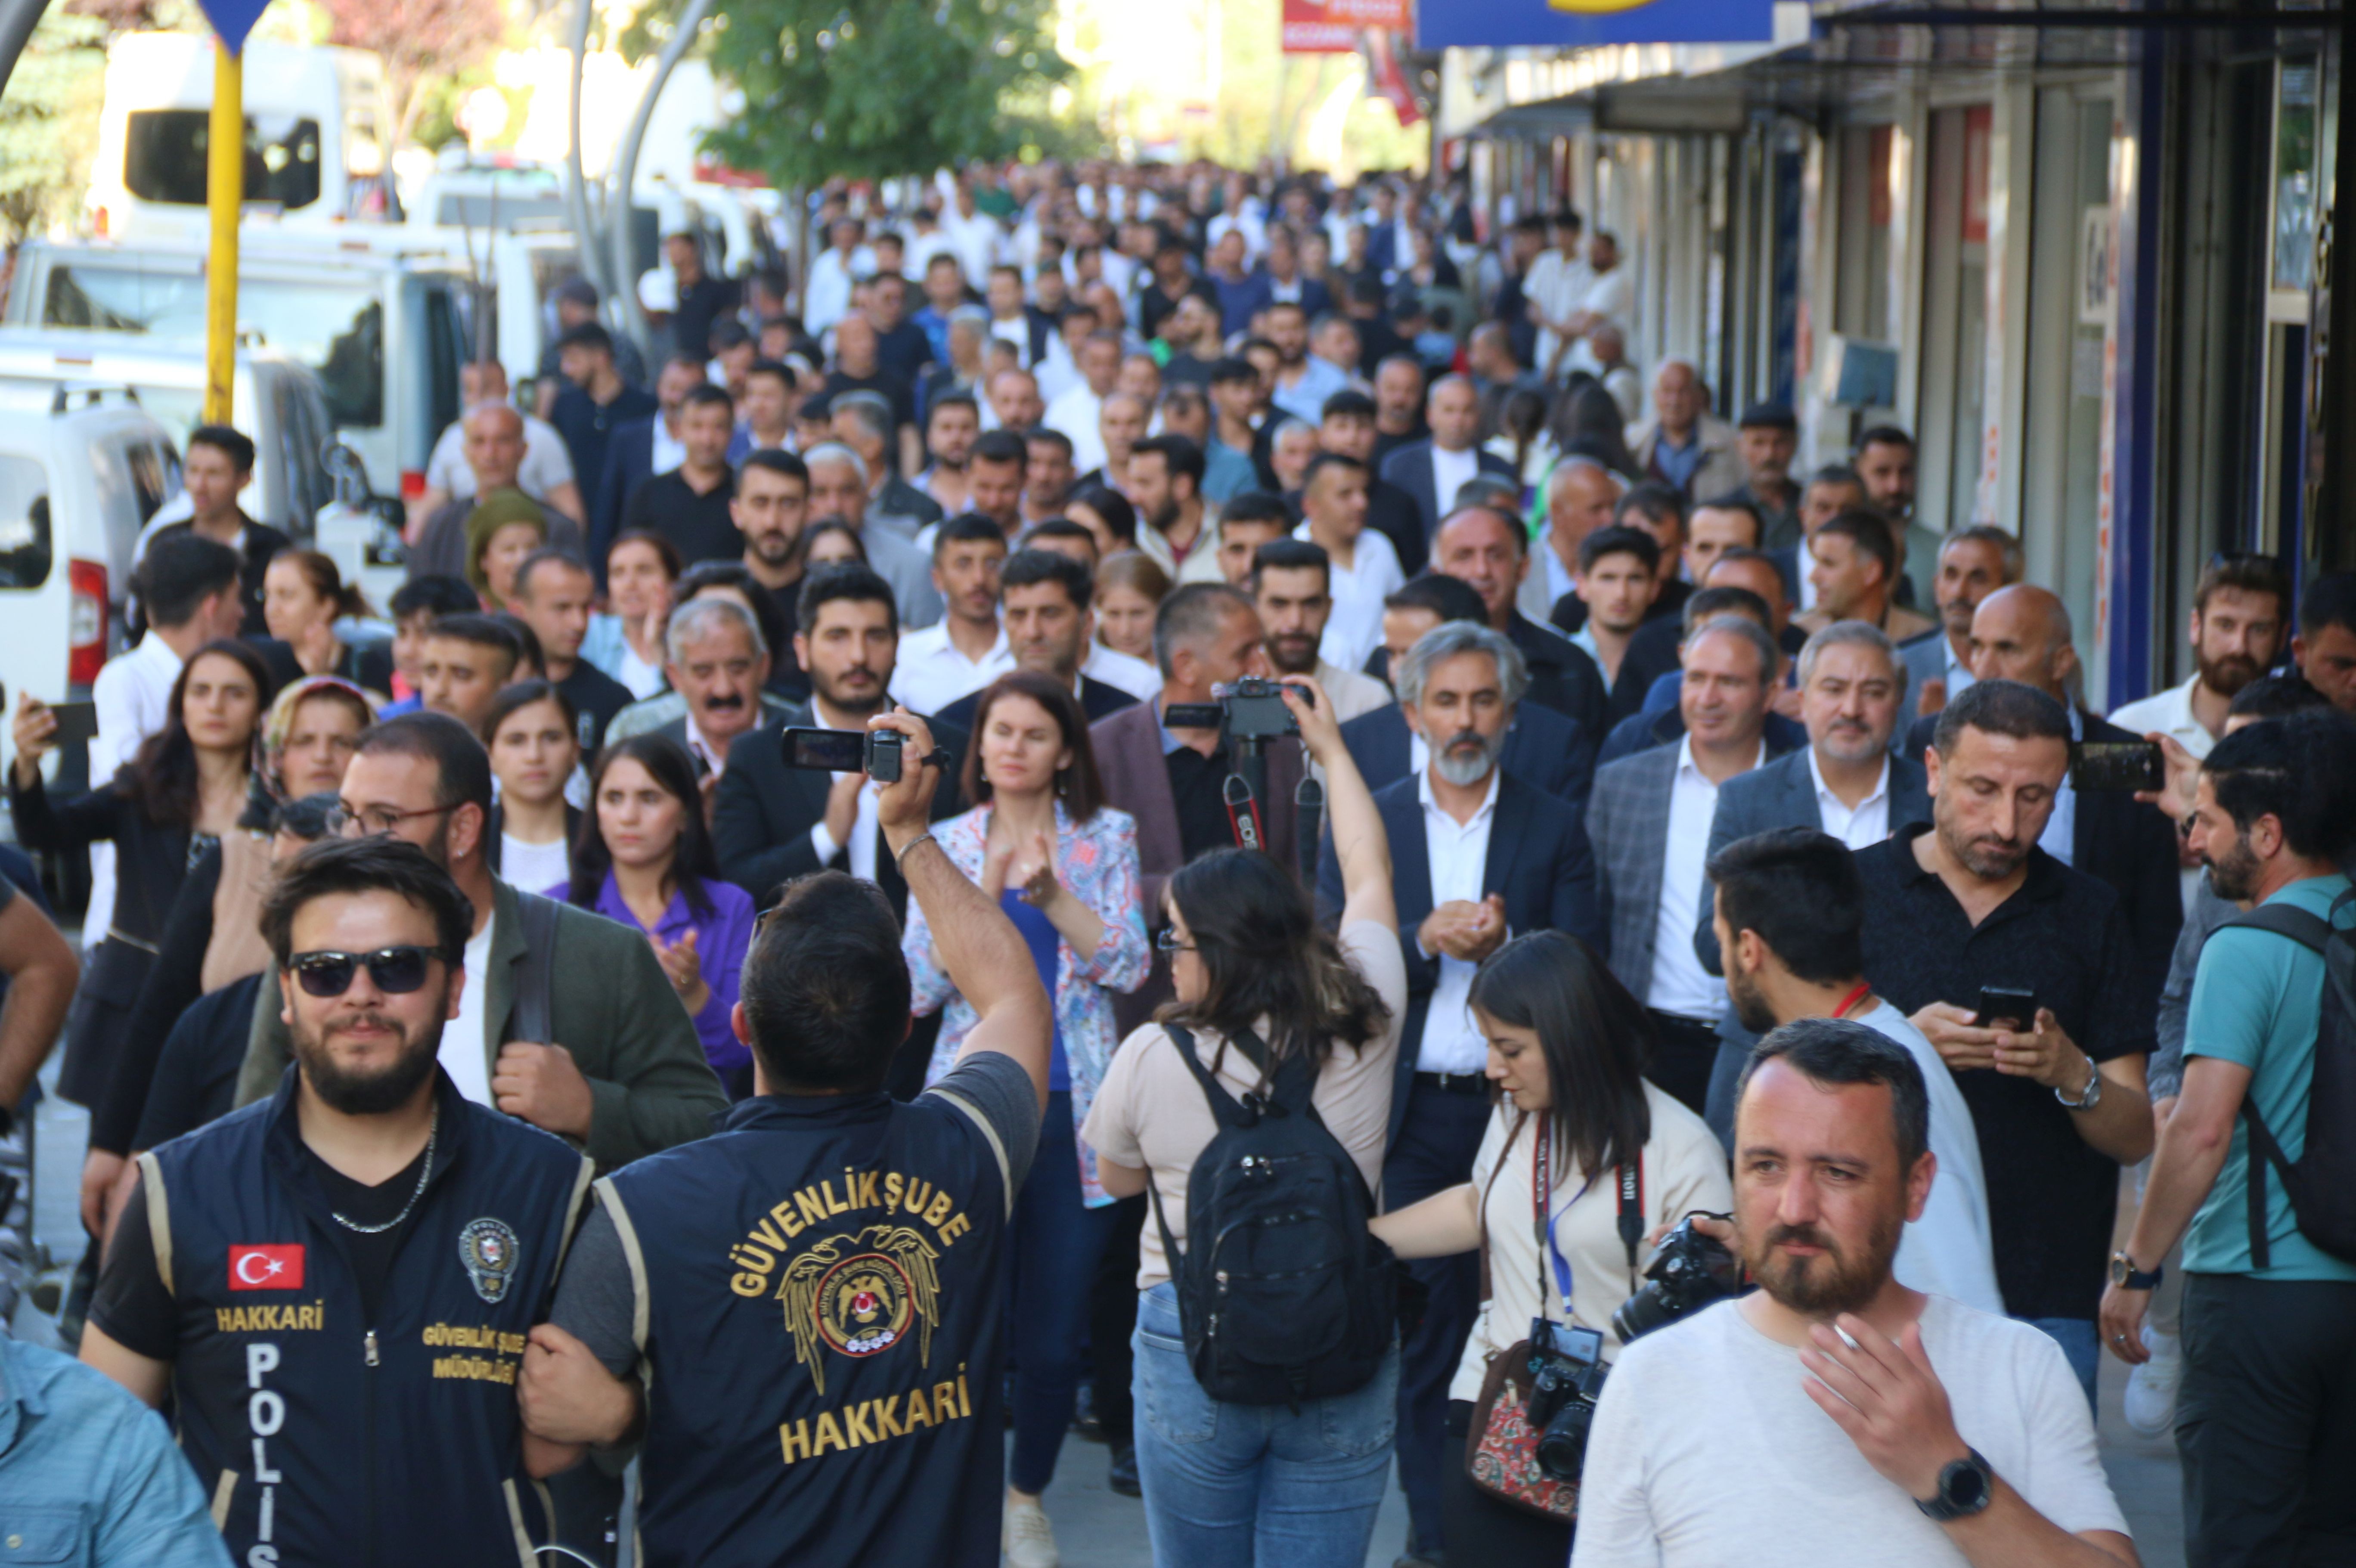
x: 900, y: 860
x: 2089, y: 1097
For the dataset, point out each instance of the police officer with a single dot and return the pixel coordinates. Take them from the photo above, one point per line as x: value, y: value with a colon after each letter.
x: 801, y: 1313
x: 335, y: 1285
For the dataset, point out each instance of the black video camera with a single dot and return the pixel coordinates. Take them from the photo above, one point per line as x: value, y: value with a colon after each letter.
x: 1567, y: 1373
x: 1688, y: 1270
x: 1252, y: 709
x: 875, y: 753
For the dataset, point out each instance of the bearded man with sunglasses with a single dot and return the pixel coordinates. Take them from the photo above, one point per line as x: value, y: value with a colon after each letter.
x: 569, y: 1022
x: 335, y: 1287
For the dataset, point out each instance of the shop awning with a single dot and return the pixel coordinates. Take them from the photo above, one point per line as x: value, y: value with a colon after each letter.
x: 1539, y: 121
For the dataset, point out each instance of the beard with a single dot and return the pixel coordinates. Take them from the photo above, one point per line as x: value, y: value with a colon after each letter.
x: 1750, y: 1008
x: 1468, y: 758
x: 2235, y: 877
x: 1844, y: 742
x: 1293, y: 654
x: 1828, y: 1284
x: 2226, y: 676
x: 772, y: 550
x: 1985, y: 856
x: 370, y: 1094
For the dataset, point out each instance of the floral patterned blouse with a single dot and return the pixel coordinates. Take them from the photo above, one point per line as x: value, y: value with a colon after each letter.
x: 1098, y: 862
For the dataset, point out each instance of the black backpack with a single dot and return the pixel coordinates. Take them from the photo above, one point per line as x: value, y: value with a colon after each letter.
x: 1283, y: 1293
x: 2321, y: 1183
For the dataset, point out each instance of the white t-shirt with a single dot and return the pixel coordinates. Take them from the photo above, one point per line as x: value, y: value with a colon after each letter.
x: 644, y: 679
x: 534, y: 867
x: 463, y: 1054
x: 546, y: 462
x: 1707, y: 1450
x: 1947, y: 1251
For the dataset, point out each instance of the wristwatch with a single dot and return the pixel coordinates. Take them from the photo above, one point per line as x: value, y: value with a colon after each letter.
x: 2127, y: 1276
x: 2089, y: 1097
x: 1965, y: 1486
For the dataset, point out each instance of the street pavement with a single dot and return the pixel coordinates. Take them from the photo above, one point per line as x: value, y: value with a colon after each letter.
x: 1097, y: 1527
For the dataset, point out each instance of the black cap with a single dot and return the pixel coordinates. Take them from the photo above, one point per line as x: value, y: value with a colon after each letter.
x: 1768, y: 416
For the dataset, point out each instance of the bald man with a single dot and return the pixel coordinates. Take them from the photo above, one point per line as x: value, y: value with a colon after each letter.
x: 494, y: 451
x: 2022, y: 633
x: 545, y: 472
x: 1684, y: 444
x: 1581, y: 495
x: 1431, y: 471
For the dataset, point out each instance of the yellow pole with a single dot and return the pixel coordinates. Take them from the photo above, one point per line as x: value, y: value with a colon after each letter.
x: 225, y: 196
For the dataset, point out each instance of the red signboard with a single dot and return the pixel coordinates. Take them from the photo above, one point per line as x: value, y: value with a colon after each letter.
x: 1332, y: 26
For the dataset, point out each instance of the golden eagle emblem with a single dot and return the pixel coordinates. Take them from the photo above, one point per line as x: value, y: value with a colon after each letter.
x: 860, y: 1294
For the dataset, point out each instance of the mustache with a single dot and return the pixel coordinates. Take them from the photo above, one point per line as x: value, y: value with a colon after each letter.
x: 1467, y: 737
x: 1802, y: 1236
x: 724, y: 700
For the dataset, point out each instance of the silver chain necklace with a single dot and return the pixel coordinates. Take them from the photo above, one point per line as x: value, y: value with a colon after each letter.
x: 432, y: 1131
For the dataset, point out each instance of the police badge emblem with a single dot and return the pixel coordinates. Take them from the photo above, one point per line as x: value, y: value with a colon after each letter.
x: 488, y: 1248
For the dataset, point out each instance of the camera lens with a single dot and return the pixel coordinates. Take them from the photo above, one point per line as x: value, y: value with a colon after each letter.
x: 1562, y: 1447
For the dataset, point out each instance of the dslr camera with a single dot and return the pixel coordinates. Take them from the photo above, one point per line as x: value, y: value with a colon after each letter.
x: 1688, y: 1270
x: 875, y: 753
x: 1250, y: 710
x: 1567, y: 1373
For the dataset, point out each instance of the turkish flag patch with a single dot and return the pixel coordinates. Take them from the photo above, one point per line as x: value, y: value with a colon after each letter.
x: 278, y: 1267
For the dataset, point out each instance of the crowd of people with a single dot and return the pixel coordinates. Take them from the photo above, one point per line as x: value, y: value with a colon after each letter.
x: 1357, y: 851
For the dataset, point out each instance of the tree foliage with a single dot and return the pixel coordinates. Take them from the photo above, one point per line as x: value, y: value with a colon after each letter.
x: 416, y: 39
x: 875, y: 88
x: 48, y: 121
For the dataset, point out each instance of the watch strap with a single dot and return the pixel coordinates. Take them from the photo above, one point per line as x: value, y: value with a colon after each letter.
x: 1942, y: 1505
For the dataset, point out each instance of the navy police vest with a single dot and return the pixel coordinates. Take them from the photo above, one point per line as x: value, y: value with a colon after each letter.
x: 820, y: 1286
x: 324, y: 1439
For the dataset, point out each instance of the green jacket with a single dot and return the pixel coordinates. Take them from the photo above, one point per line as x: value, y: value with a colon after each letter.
x: 614, y: 1009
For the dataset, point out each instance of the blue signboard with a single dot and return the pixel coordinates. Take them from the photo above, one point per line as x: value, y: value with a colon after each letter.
x: 1574, y: 24
x: 232, y: 19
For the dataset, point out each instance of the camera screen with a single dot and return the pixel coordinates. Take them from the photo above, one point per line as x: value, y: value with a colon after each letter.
x: 835, y: 750
x: 1581, y: 1344
x: 2116, y: 765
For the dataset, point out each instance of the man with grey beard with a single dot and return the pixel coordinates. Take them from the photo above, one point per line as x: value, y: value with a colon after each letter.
x: 1477, y: 856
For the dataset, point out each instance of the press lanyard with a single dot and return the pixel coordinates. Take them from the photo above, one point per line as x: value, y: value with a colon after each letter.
x: 1632, y: 1216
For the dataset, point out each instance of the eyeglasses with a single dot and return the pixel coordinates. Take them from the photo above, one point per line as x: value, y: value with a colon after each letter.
x: 1166, y: 939
x: 375, y: 821
x: 396, y: 971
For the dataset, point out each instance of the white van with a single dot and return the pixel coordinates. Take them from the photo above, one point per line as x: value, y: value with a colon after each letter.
x: 384, y: 334
x: 275, y: 401
x: 75, y: 486
x: 315, y: 151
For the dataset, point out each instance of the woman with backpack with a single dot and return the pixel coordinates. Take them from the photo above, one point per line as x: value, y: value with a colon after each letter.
x: 1574, y: 1114
x: 1267, y: 1360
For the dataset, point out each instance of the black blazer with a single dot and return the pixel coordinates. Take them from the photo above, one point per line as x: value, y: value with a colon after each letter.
x: 1543, y: 749
x: 1539, y: 863
x: 630, y: 461
x: 1097, y: 699
x: 763, y: 813
x: 1562, y: 675
x: 2125, y: 843
x: 1409, y: 469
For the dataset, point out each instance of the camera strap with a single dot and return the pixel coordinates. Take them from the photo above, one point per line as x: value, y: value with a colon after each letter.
x: 1630, y: 1177
x: 1243, y: 813
x: 1309, y: 804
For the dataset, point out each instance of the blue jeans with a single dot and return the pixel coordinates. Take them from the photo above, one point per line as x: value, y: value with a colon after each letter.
x: 2082, y: 1346
x: 1227, y: 1485
x: 1057, y: 1241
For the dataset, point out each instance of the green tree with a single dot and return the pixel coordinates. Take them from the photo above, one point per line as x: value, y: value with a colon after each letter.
x: 874, y: 89
x: 49, y: 122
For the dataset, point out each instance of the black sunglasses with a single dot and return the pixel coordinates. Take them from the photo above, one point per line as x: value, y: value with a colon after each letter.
x: 397, y: 971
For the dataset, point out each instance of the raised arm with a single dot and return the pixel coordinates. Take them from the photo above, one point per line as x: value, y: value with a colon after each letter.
x: 1360, y: 845
x: 978, y: 945
x: 41, y: 973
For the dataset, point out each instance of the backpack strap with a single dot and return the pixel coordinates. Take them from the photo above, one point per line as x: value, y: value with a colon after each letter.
x: 2314, y: 932
x: 1224, y: 1110
x: 534, y: 1017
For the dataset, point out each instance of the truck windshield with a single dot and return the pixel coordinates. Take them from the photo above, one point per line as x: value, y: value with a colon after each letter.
x: 336, y: 327
x: 26, y: 548
x: 164, y: 157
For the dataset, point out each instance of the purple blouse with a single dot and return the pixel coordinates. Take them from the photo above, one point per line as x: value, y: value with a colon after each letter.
x: 721, y: 940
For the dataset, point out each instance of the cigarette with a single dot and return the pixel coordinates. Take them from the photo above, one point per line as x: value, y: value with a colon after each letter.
x: 1844, y: 1339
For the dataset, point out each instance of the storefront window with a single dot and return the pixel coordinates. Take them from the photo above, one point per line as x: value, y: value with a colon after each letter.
x: 2295, y: 183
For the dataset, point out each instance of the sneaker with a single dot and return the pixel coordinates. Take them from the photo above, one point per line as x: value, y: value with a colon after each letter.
x: 1083, y: 1414
x: 1122, y: 1475
x: 1027, y: 1538
x: 2150, y: 1402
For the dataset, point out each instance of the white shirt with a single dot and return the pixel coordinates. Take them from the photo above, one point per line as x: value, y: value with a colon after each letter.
x: 1076, y: 413
x: 827, y: 298
x: 863, y: 830
x: 1679, y: 985
x: 1458, y: 853
x: 1959, y: 673
x: 1860, y: 827
x: 2060, y: 837
x: 546, y: 463
x: 644, y: 679
x: 133, y: 696
x: 465, y: 1045
x: 534, y: 867
x: 1557, y: 286
x: 1947, y: 1251
x: 670, y: 452
x: 1451, y: 471
x: 700, y: 746
x: 931, y: 672
x: 2170, y: 713
x: 1355, y: 626
x: 1132, y: 675
x: 1707, y: 1450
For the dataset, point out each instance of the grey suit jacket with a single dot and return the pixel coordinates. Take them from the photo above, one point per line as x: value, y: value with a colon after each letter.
x: 1926, y: 658
x: 1628, y: 823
